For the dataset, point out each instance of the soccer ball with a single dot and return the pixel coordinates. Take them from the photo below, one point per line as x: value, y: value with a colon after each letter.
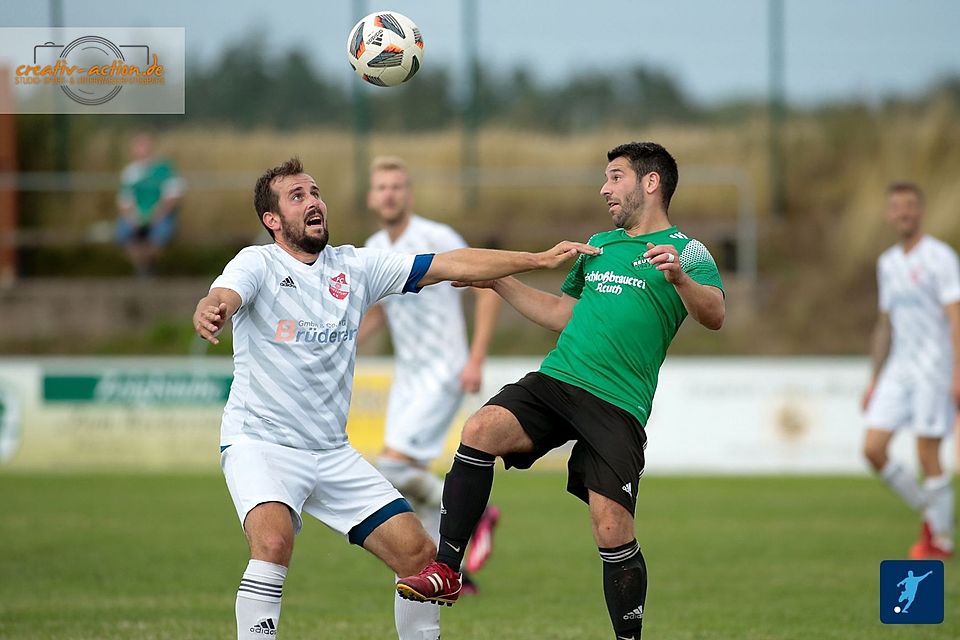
x: 385, y: 48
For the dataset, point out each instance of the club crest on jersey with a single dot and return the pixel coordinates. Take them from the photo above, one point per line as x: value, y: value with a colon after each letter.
x: 641, y: 263
x: 339, y: 287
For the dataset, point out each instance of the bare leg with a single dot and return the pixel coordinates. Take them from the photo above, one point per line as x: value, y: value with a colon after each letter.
x: 403, y: 544
x: 938, y: 493
x: 901, y: 482
x: 624, y: 568
x: 269, y: 530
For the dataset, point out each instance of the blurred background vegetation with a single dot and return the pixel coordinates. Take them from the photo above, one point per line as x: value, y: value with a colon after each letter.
x: 544, y: 146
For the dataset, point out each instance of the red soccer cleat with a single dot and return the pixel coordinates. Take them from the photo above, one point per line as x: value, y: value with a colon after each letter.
x: 929, y: 551
x: 481, y: 544
x: 926, y: 549
x: 436, y: 583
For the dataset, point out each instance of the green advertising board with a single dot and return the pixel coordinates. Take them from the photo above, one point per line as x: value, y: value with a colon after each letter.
x: 175, y: 388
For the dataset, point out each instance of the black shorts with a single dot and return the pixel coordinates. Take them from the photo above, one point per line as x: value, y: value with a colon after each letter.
x: 608, y: 454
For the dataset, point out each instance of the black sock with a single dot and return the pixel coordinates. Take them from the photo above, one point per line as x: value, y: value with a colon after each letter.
x: 625, y: 588
x: 466, y: 490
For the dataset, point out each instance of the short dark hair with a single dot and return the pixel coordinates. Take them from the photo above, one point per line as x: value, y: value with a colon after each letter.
x: 264, y: 197
x: 645, y: 157
x: 904, y: 186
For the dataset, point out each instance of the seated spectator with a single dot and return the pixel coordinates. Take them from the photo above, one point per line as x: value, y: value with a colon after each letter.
x: 150, y: 193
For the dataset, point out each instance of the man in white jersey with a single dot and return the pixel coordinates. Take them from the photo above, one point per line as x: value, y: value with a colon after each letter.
x: 434, y: 367
x: 916, y: 377
x: 296, y: 307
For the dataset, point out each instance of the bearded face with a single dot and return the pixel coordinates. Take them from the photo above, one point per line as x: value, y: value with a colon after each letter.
x: 309, y: 235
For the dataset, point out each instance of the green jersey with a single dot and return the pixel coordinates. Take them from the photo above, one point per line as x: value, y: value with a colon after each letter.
x: 626, y: 317
x: 145, y: 184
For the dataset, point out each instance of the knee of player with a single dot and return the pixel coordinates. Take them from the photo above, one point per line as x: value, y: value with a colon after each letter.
x: 612, y: 531
x: 273, y: 546
x: 875, y: 455
x: 472, y: 433
x: 482, y: 432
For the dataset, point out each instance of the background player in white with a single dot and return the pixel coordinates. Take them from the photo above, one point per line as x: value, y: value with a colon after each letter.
x: 916, y: 378
x: 434, y: 366
x: 296, y: 307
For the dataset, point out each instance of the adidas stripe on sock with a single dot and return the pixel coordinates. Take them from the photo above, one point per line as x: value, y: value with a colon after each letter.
x: 625, y: 588
x: 258, y: 599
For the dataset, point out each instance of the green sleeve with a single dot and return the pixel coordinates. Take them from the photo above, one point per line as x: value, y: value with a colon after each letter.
x: 697, y: 262
x: 573, y: 285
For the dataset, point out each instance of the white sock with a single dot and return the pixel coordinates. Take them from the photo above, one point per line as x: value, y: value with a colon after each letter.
x: 258, y: 600
x: 939, y: 511
x: 903, y: 484
x: 430, y: 517
x: 415, y: 483
x: 416, y: 620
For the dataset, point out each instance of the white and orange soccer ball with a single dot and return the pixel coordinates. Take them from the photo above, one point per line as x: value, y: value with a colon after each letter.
x: 385, y: 48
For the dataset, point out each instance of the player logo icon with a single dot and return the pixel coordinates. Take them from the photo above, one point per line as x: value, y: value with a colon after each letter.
x: 909, y: 584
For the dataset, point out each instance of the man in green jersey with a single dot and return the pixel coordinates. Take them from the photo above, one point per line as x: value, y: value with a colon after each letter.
x: 617, y: 314
x: 150, y: 193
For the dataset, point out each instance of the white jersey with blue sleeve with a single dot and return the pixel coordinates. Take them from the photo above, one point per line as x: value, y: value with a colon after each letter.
x: 294, y: 339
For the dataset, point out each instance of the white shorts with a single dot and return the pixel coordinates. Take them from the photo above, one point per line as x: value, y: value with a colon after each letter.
x: 901, y: 403
x: 336, y: 486
x: 418, y: 420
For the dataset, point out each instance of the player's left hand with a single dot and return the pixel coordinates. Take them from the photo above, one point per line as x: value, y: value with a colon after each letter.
x: 955, y: 389
x: 471, y: 377
x: 666, y: 259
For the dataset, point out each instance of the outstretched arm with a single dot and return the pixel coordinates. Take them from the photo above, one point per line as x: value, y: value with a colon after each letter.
x: 471, y: 265
x: 213, y: 311
x: 546, y: 309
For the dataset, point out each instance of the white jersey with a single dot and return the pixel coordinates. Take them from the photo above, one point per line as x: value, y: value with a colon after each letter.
x: 294, y: 340
x: 914, y: 288
x: 428, y: 331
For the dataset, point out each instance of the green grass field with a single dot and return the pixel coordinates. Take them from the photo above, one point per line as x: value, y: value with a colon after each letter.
x: 148, y: 557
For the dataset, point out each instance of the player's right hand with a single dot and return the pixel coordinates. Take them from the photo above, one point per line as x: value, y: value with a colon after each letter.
x: 208, y: 321
x: 563, y: 251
